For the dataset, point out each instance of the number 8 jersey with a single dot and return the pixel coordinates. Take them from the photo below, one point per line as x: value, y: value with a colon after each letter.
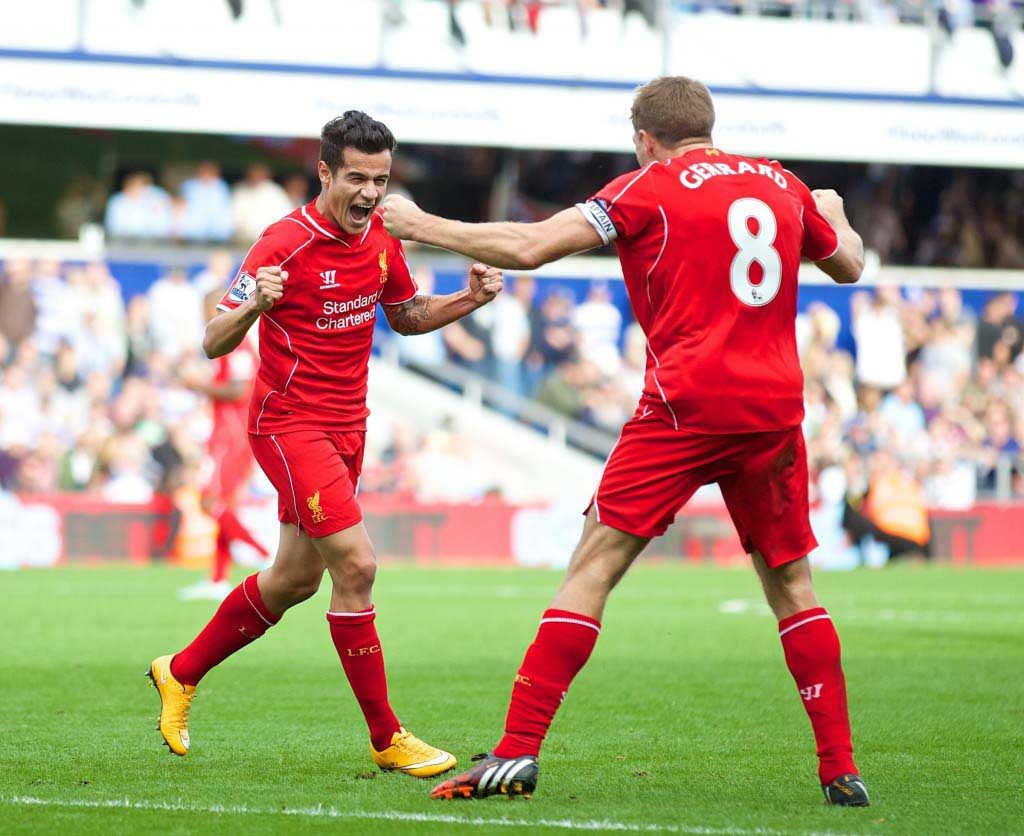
x: 710, y: 245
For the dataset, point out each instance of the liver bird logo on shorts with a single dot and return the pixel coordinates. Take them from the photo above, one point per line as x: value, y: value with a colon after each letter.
x: 382, y: 261
x: 314, y: 506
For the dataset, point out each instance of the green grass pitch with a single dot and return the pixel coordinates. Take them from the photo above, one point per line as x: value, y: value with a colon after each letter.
x: 685, y: 721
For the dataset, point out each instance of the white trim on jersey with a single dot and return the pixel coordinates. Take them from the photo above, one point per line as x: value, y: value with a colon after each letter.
x: 291, y: 374
x: 838, y: 244
x: 629, y: 185
x: 312, y: 237
x: 647, y: 280
x: 323, y: 231
x: 288, y: 339
x: 661, y: 252
x: 369, y: 226
x: 664, y: 400
x: 408, y: 269
x: 220, y: 305
x: 414, y: 295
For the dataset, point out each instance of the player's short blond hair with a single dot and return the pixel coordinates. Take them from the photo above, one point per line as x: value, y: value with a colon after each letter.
x: 672, y: 109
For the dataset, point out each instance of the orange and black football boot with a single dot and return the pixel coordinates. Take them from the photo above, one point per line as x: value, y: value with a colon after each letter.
x: 492, y: 776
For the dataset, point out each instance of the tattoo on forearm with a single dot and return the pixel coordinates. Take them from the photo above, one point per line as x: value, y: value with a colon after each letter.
x: 413, y: 317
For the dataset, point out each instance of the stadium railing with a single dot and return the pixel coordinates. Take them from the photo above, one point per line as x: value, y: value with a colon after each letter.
x: 475, y: 388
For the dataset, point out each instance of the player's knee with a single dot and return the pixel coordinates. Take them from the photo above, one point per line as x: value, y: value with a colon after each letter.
x: 282, y: 589
x: 299, y: 588
x: 357, y: 571
x: 305, y: 588
x: 792, y: 590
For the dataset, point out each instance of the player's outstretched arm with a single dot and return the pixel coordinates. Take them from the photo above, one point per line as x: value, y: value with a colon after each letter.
x: 226, y: 330
x: 513, y: 246
x: 425, y: 313
x: 847, y: 263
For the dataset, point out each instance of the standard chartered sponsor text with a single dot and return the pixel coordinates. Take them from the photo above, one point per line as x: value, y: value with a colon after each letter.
x: 353, y: 317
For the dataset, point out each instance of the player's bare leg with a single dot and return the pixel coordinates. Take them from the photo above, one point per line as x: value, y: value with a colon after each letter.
x: 567, y: 635
x: 296, y: 573
x: 600, y: 560
x: 248, y: 611
x: 812, y: 651
x: 349, y: 557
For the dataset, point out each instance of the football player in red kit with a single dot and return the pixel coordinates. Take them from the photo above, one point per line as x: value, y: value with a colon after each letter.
x: 313, y: 281
x: 710, y: 244
x: 228, y: 388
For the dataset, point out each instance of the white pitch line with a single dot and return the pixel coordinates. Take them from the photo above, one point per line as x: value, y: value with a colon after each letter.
x: 321, y: 812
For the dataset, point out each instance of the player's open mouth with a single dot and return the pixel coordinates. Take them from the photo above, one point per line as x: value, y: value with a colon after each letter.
x: 359, y: 212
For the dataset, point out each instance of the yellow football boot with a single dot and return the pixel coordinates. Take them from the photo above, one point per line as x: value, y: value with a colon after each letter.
x: 408, y: 754
x: 175, y: 702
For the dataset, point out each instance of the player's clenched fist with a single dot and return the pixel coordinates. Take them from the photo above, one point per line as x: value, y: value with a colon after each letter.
x: 829, y: 203
x: 485, y: 283
x: 401, y: 216
x: 269, y: 287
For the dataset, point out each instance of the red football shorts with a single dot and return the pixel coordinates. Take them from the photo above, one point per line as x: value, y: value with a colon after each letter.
x: 316, y: 475
x: 654, y: 469
x: 232, y: 467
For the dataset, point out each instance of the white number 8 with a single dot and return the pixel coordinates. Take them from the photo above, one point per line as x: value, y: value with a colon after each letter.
x: 754, y: 247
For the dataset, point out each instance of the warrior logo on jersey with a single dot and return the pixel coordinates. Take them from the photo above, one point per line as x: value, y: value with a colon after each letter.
x: 243, y: 288
x: 329, y: 279
x: 382, y: 262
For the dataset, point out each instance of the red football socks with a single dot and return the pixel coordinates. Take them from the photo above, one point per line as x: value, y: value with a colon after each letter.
x: 812, y: 653
x: 241, y: 618
x: 564, y: 642
x: 355, y: 638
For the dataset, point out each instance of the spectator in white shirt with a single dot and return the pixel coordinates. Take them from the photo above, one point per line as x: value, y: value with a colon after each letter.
x: 507, y: 321
x: 140, y: 210
x: 878, y: 334
x: 176, y: 315
x: 599, y: 324
x: 256, y: 203
x: 207, y: 205
x: 903, y: 414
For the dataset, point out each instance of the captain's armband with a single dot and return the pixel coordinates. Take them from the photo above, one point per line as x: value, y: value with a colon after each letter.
x: 595, y: 211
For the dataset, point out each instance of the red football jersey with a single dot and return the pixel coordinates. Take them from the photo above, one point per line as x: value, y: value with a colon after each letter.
x: 315, y: 342
x: 710, y: 245
x: 229, y: 416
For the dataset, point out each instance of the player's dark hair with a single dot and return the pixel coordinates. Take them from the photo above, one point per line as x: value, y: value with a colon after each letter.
x: 354, y: 129
x: 673, y: 109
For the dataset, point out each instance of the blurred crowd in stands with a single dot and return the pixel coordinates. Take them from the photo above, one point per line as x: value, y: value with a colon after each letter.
x: 95, y: 395
x: 528, y: 15
x: 910, y: 215
x: 203, y: 209
x: 934, y: 391
x: 100, y: 396
x: 907, y: 215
